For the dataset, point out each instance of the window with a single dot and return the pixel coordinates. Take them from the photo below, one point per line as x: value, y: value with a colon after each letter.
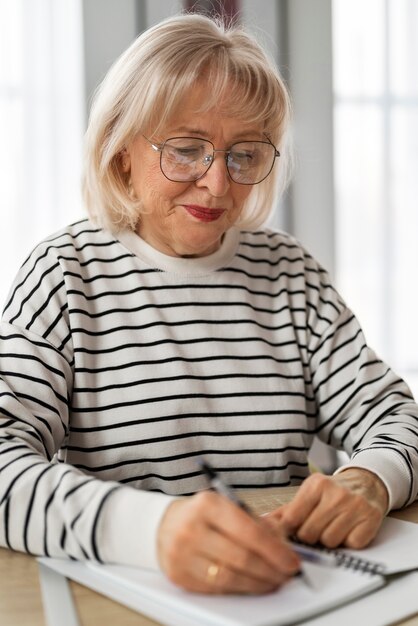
x: 41, y: 124
x: 376, y: 172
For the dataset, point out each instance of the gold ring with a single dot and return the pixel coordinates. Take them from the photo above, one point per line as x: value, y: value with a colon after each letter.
x: 212, y: 573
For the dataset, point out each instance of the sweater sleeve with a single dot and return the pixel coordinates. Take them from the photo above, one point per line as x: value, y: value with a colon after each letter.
x: 50, y: 508
x: 363, y: 407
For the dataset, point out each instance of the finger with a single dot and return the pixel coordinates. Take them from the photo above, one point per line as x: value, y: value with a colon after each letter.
x: 337, y: 530
x: 324, y: 500
x: 338, y: 513
x: 329, y: 523
x: 363, y: 533
x: 220, y: 549
x: 207, y: 576
x: 278, y: 520
x: 250, y: 533
x: 275, y: 524
x: 277, y: 512
x: 183, y: 535
x: 355, y: 525
x: 305, y: 502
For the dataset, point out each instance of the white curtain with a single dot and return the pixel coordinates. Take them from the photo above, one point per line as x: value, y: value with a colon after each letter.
x: 42, y: 120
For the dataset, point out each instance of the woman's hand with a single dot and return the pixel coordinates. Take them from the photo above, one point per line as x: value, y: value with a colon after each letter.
x: 345, y: 509
x: 207, y: 544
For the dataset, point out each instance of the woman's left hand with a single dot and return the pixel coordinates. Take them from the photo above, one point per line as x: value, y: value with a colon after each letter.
x: 344, y: 509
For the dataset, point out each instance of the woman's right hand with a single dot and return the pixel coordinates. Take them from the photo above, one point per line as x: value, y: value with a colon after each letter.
x: 207, y: 544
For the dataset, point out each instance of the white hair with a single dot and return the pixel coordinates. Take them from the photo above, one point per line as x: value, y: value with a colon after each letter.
x: 146, y: 86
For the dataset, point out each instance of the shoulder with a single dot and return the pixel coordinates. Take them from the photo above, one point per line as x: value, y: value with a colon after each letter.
x: 280, y: 258
x: 68, y: 249
x: 269, y: 239
x: 277, y: 246
x: 41, y: 279
x: 74, y: 238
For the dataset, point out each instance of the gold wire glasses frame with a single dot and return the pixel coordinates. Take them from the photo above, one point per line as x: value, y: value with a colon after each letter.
x: 186, y: 159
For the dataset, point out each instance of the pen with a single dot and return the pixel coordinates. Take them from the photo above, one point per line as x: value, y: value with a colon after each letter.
x: 220, y: 486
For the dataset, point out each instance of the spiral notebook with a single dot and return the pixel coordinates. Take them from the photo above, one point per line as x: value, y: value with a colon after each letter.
x: 152, y: 594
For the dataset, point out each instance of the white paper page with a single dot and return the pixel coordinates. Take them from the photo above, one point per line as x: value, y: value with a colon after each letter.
x: 290, y: 604
x: 82, y: 574
x: 397, y: 601
x: 396, y: 546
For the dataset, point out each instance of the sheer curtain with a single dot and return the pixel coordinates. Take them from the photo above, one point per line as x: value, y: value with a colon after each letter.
x: 42, y: 119
x: 376, y: 152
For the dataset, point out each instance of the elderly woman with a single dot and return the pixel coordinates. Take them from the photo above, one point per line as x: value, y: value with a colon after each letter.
x: 171, y: 325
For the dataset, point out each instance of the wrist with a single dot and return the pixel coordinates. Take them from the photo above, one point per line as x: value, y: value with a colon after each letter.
x: 366, y: 483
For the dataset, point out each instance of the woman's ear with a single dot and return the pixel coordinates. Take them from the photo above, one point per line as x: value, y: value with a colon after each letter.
x: 125, y: 160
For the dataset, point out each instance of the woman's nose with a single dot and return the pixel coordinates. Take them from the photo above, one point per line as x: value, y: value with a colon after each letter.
x: 216, y: 179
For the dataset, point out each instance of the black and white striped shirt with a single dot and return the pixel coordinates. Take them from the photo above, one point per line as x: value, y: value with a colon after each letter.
x: 120, y: 366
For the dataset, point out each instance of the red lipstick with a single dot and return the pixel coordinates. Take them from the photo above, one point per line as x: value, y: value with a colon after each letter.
x: 204, y: 214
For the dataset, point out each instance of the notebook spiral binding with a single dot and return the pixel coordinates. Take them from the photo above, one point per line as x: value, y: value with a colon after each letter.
x: 349, y: 561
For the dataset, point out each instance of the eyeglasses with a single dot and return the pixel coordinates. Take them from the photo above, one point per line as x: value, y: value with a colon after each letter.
x: 186, y: 159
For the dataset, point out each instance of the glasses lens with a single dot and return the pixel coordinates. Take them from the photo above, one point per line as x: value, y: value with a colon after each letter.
x: 250, y: 162
x: 186, y: 158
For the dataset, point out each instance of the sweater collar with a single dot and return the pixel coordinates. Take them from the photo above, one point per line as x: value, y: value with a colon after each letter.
x: 180, y: 265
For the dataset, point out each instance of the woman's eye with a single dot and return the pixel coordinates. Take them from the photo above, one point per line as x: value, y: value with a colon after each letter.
x: 241, y: 156
x: 191, y: 152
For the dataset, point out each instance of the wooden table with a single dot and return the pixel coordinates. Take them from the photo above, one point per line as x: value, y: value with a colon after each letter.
x: 20, y: 594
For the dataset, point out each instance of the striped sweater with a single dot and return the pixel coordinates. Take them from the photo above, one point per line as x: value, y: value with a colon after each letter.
x: 120, y: 366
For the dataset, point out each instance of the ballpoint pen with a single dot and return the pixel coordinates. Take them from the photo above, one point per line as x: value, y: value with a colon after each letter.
x: 306, y: 553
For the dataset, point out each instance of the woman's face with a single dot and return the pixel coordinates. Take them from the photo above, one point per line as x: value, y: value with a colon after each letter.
x: 189, y: 219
